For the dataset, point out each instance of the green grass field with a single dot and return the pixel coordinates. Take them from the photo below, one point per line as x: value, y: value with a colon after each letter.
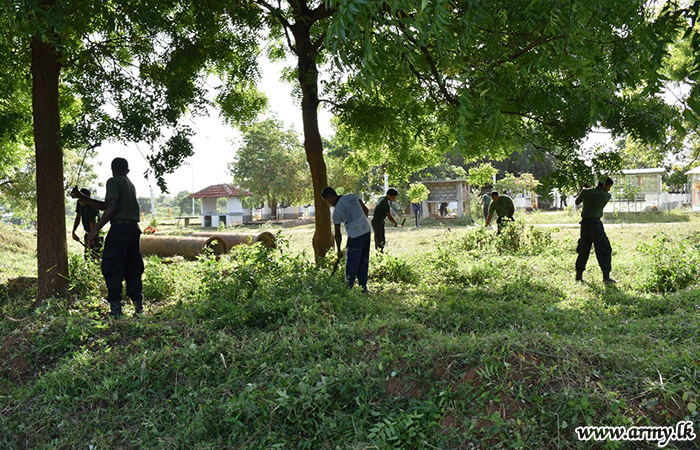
x: 466, y: 341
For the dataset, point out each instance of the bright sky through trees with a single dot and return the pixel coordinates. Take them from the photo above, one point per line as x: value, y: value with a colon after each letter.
x: 213, y: 149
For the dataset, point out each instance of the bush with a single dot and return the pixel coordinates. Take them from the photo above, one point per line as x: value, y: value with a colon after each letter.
x: 674, y: 265
x: 158, y: 282
x: 85, y: 277
x: 261, y: 287
x: 515, y: 238
x: 385, y: 267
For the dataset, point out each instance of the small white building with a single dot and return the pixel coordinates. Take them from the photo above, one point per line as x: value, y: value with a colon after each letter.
x: 446, y: 191
x: 648, y: 190
x: 694, y: 188
x: 235, y: 213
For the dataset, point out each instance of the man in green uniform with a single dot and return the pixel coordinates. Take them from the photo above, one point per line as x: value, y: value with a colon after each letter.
x: 592, y: 231
x: 382, y: 211
x: 503, y: 206
x: 88, y: 216
x: 121, y: 258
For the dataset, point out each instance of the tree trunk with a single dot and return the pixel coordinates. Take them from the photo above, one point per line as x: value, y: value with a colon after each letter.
x: 52, y: 253
x: 308, y: 81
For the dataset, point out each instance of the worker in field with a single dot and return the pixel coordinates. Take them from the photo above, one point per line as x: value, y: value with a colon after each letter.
x: 121, y: 257
x: 592, y: 231
x: 350, y: 210
x: 503, y: 206
x: 88, y: 216
x: 485, y: 203
x: 383, y: 211
x: 416, y: 211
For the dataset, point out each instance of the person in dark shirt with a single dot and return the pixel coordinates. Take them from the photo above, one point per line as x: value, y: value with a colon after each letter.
x: 503, y: 206
x: 592, y: 231
x: 381, y: 212
x: 88, y: 216
x: 121, y: 258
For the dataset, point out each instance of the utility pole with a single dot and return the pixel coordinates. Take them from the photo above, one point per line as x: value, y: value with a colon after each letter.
x: 193, y: 211
x: 153, y: 204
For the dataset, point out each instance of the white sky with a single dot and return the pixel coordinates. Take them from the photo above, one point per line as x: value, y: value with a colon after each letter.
x: 214, y: 144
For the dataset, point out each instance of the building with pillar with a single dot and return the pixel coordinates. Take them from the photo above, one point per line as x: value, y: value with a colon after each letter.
x: 448, y: 191
x: 235, y: 212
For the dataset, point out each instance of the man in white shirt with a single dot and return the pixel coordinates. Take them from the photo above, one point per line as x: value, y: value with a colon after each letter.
x: 351, y: 211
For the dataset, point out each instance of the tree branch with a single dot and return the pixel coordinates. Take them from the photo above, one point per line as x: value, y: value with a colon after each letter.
x: 276, y: 13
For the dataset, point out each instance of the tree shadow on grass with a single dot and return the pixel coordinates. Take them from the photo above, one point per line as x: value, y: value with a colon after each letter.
x: 642, y: 305
x: 496, y: 306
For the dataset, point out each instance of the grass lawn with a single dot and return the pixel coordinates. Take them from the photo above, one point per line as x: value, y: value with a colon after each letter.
x: 466, y: 341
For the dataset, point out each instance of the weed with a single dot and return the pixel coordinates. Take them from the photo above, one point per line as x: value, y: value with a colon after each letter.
x: 674, y: 265
x: 388, y: 268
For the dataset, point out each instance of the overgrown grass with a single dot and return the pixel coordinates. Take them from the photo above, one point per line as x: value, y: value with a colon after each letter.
x: 569, y: 216
x: 467, y: 340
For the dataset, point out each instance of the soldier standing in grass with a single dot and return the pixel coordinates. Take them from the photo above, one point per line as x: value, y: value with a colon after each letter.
x: 88, y: 216
x: 121, y: 258
x: 503, y: 206
x: 382, y: 211
x: 351, y: 211
x: 592, y: 231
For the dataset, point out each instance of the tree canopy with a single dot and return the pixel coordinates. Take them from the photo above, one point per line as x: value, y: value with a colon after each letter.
x: 271, y: 164
x: 500, y: 76
x: 128, y: 71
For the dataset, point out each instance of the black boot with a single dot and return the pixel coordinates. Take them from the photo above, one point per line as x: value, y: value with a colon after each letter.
x: 138, y: 306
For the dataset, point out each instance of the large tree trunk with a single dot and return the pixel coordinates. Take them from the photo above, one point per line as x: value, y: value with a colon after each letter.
x: 308, y: 81
x: 52, y: 254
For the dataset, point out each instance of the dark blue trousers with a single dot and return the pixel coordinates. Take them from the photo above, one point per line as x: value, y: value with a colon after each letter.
x: 357, y: 260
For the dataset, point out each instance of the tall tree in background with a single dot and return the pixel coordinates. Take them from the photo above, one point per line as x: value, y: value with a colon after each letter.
x: 271, y: 164
x: 133, y: 68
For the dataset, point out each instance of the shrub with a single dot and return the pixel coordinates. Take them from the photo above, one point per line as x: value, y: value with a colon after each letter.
x: 674, y: 265
x: 85, y: 276
x: 158, y: 282
x: 260, y: 287
x: 385, y: 267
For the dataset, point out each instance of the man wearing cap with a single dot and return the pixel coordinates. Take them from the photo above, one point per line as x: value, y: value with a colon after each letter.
x: 592, y: 231
x: 350, y: 210
x: 121, y: 258
x: 88, y: 216
x: 503, y: 206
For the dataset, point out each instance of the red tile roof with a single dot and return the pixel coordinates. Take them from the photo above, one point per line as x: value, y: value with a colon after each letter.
x: 220, y: 190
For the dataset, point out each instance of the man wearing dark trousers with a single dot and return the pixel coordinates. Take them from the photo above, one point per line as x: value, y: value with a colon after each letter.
x: 351, y: 211
x: 382, y: 211
x: 121, y: 257
x: 88, y: 216
x: 592, y: 231
x: 416, y: 212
